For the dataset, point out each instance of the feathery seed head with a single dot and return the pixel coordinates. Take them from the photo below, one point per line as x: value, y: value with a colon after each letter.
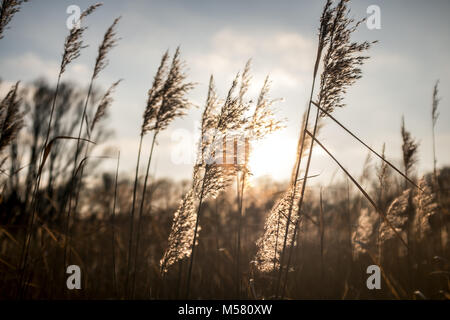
x: 167, y: 99
x: 409, y: 149
x: 181, y: 233
x: 74, y: 42
x: 105, y: 102
x: 426, y: 208
x: 11, y: 119
x: 343, y: 59
x: 270, y: 244
x: 398, y: 215
x: 364, y: 235
x: 109, y: 42
x: 434, y: 105
x: 8, y: 9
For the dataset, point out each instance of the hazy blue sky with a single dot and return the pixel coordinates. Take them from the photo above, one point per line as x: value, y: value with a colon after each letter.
x: 280, y: 36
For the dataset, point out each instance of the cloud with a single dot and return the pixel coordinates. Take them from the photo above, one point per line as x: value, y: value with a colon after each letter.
x: 29, y: 66
x: 286, y: 56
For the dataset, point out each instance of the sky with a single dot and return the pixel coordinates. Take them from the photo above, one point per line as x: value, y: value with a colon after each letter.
x: 218, y: 37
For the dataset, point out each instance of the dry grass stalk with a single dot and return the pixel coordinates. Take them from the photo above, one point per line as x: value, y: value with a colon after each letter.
x: 434, y: 118
x: 167, y: 100
x: 113, y: 225
x: 154, y: 94
x: 341, y: 68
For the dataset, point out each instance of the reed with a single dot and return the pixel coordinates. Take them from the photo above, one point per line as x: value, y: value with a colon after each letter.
x: 434, y: 118
x: 154, y: 95
x: 164, y: 104
x: 340, y: 70
x: 109, y: 41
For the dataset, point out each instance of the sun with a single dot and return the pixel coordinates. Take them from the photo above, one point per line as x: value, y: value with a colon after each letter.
x: 273, y: 156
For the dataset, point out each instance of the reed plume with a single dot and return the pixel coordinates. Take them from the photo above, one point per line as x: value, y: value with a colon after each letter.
x: 398, y: 216
x: 11, y: 121
x: 104, y: 104
x: 434, y: 118
x: 365, y: 233
x: 74, y: 41
x: 270, y: 244
x: 8, y: 9
x: 167, y: 97
x: 181, y: 233
x: 109, y: 41
x: 383, y: 173
x: 426, y: 209
x: 409, y: 150
x: 11, y: 118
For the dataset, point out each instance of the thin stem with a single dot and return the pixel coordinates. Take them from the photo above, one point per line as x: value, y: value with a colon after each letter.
x: 130, y: 243
x: 113, y: 213
x: 240, y: 200
x: 141, y: 209
x: 364, y: 144
x: 322, y: 233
